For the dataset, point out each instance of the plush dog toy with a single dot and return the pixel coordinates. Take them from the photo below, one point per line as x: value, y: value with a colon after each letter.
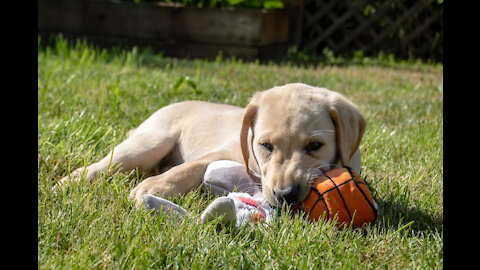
x: 340, y: 194
x: 241, y: 199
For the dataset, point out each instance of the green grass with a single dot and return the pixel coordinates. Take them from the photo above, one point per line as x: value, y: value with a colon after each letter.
x: 88, y: 98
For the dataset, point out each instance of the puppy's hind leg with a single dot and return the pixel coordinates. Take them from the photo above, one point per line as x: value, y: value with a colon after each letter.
x: 176, y: 181
x: 141, y: 150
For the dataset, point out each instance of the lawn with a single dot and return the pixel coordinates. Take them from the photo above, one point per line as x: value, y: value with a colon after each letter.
x: 88, y: 98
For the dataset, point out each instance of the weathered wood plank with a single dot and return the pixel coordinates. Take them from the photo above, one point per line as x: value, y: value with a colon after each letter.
x: 246, y: 31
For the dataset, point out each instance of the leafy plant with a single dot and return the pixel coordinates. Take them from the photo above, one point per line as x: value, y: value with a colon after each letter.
x: 265, y: 4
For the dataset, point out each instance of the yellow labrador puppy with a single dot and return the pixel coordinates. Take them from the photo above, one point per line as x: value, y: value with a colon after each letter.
x: 288, y: 135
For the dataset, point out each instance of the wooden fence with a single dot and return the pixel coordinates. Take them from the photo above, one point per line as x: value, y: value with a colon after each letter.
x: 403, y: 28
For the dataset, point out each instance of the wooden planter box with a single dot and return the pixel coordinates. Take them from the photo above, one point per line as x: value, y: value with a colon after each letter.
x: 173, y: 29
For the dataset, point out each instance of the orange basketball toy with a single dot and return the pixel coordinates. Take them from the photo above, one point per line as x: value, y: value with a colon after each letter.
x: 343, y: 193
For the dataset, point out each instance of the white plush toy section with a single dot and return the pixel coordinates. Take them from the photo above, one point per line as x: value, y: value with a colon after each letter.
x: 241, y: 200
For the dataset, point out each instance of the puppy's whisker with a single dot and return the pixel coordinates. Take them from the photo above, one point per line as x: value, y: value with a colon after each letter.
x: 316, y: 167
x: 249, y: 188
x: 316, y: 172
x: 313, y: 165
x: 321, y: 167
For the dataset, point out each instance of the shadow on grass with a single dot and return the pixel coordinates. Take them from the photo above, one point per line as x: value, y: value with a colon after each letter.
x: 394, y: 213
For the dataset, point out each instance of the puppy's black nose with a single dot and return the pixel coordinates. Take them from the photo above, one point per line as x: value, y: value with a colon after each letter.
x: 288, y: 195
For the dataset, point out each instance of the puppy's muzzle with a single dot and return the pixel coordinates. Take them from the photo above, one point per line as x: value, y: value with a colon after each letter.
x: 288, y: 195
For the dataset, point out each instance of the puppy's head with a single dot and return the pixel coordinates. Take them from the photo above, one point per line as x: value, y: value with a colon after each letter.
x: 297, y: 133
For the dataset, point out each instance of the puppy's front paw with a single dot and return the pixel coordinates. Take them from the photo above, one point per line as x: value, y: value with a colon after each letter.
x: 58, y: 186
x: 155, y: 185
x: 137, y: 193
x: 74, y: 176
x: 148, y: 186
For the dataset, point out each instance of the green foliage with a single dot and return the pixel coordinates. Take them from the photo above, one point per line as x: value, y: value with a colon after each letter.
x: 357, y: 57
x: 88, y: 98
x: 265, y: 4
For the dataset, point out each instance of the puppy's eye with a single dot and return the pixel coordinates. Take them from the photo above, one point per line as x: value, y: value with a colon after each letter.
x: 313, y: 146
x: 267, y: 147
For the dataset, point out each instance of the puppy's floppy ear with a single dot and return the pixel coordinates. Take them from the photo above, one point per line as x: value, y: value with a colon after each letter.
x: 247, y: 123
x: 349, y: 124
